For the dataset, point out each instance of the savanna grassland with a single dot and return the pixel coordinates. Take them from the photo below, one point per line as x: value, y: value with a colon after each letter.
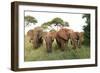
x: 40, y: 54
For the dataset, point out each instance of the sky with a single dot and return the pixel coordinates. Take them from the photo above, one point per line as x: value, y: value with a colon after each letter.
x: 75, y: 20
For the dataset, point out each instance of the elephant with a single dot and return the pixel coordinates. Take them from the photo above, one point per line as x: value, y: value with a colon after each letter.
x: 62, y: 37
x: 49, y: 38
x: 81, y: 39
x: 37, y: 38
x: 76, y: 39
x: 30, y: 34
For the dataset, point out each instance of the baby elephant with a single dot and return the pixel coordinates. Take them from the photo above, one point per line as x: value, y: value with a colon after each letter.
x: 49, y: 38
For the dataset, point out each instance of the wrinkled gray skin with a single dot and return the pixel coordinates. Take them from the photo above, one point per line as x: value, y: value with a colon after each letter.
x: 37, y: 38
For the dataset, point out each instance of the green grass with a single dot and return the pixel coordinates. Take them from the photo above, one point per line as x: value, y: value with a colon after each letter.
x: 40, y: 54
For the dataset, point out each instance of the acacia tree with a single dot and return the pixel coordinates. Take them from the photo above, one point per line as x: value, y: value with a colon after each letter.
x: 30, y: 19
x: 57, y: 21
x: 45, y: 25
x: 86, y: 28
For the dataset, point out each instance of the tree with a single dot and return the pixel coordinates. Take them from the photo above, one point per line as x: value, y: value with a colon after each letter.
x: 45, y: 25
x: 66, y: 24
x: 58, y: 22
x: 30, y: 19
x: 86, y: 28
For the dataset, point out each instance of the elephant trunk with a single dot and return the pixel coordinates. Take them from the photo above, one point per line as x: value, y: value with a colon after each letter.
x: 49, y: 48
x: 48, y: 44
x: 35, y: 42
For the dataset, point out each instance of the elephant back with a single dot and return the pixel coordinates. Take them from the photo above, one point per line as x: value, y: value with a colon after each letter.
x: 63, y: 33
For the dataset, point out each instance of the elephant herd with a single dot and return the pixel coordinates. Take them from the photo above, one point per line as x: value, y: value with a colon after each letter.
x: 62, y: 37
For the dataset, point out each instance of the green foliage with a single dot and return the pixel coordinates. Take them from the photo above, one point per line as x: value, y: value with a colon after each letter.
x: 30, y: 19
x: 86, y: 29
x: 40, y: 54
x: 57, y: 21
x: 45, y: 25
x: 66, y: 24
x: 87, y: 16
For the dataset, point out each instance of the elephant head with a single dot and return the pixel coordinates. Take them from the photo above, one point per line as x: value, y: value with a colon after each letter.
x: 49, y: 38
x: 30, y: 34
x: 37, y: 38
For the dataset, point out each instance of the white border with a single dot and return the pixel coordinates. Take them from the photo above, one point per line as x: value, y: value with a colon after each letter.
x: 23, y: 64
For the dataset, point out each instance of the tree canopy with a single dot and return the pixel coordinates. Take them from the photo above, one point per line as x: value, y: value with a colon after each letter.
x: 56, y: 22
x: 30, y: 19
x: 66, y: 24
x: 45, y: 25
x: 86, y: 28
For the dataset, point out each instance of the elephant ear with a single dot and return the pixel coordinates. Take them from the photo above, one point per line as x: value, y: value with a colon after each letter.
x: 63, y: 34
x: 44, y: 34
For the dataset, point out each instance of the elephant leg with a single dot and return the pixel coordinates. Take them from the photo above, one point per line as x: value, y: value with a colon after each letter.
x: 79, y: 43
x: 74, y: 42
x: 49, y: 47
x: 62, y: 45
x: 40, y: 42
x: 49, y: 50
x: 67, y: 44
x: 58, y: 43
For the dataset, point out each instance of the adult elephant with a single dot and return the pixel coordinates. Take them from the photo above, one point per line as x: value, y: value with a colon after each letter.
x: 62, y: 37
x: 30, y: 34
x: 76, y: 39
x: 49, y: 38
x: 37, y: 38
